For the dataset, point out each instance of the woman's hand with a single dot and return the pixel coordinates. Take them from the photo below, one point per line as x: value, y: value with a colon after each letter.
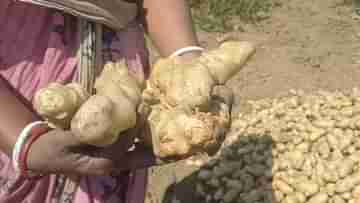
x: 59, y: 152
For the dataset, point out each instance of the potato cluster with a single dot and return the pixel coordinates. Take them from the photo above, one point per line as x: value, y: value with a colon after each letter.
x: 189, y: 103
x: 97, y: 119
x: 295, y: 149
x: 183, y: 109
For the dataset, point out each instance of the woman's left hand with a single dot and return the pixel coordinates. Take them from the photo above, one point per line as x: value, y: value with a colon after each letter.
x: 59, y: 152
x: 138, y: 157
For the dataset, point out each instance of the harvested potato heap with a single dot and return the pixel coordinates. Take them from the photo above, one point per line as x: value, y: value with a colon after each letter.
x: 295, y: 149
x: 189, y: 103
x: 98, y: 119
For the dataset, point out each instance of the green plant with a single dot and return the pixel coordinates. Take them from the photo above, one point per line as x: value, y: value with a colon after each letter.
x: 217, y: 15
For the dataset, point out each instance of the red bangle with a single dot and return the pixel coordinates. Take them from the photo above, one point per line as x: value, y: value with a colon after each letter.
x: 36, y: 132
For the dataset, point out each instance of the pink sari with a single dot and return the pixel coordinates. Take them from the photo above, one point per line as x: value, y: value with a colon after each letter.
x: 38, y: 47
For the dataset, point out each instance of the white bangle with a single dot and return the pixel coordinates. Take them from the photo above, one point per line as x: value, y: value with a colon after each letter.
x: 21, y: 140
x: 185, y: 50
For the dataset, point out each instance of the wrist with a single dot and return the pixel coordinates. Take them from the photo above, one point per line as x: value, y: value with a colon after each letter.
x: 190, y: 56
x: 185, y: 50
x: 187, y: 54
x: 27, y: 137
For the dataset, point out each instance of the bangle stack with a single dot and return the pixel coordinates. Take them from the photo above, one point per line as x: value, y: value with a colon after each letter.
x: 22, y: 146
x: 184, y: 50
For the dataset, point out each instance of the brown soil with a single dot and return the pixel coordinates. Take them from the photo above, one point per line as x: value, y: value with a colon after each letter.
x: 307, y: 45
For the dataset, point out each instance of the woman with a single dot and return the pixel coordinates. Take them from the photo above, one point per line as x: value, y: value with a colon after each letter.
x: 38, y: 45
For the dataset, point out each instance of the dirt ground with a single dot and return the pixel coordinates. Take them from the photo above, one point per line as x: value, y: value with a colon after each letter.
x: 307, y: 45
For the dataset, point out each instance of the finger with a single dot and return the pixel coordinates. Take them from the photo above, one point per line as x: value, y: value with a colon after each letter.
x: 122, y: 145
x: 84, y: 149
x: 101, y: 165
x: 137, y: 159
x: 93, y: 164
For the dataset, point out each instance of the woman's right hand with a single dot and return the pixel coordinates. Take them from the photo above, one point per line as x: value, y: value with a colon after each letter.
x: 60, y: 152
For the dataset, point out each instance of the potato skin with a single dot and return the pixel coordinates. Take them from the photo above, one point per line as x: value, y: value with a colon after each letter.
x: 92, y: 123
x: 189, y: 102
x: 58, y: 103
x: 112, y: 110
x: 224, y: 62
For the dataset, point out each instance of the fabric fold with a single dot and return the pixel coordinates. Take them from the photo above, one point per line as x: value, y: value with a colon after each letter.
x: 115, y: 14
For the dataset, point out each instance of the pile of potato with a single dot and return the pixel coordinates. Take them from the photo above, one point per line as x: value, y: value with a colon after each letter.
x: 295, y: 149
